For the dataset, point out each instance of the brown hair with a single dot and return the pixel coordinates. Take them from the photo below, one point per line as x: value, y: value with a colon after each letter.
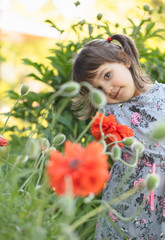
x: 94, y: 54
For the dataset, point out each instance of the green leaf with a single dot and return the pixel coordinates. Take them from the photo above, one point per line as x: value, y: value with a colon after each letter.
x: 54, y: 26
x: 12, y: 94
x: 131, y: 21
x: 34, y: 76
x: 149, y: 28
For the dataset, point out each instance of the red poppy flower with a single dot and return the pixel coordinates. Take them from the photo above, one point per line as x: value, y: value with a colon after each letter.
x: 87, y: 167
x: 110, y: 126
x: 3, y: 142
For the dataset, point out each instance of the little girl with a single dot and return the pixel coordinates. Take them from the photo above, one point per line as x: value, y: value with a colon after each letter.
x: 114, y: 68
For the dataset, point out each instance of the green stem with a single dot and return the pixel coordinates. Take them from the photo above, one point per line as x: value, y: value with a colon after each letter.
x: 101, y: 126
x: 35, y: 171
x: 113, y: 143
x: 103, y: 207
x: 86, y: 129
x: 41, y: 170
x: 111, y: 135
x: 134, y: 164
x: 127, y: 219
x: 125, y: 163
x: 118, y: 229
x: 10, y: 114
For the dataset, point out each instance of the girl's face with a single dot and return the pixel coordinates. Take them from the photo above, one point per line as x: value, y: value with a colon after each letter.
x: 116, y: 81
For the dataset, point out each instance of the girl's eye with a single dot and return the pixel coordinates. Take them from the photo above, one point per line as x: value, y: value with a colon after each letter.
x: 107, y: 75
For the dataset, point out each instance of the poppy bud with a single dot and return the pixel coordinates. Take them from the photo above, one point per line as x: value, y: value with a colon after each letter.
x: 152, y: 181
x: 150, y: 11
x: 59, y: 139
x: 32, y: 148
x: 44, y: 144
x: 98, y: 98
x: 128, y: 141
x: 146, y: 7
x: 137, y: 146
x: 49, y: 150
x: 116, y: 152
x: 99, y: 16
x: 159, y: 132
x: 70, y: 89
x: 160, y: 10
x: 77, y: 3
x: 24, y: 89
x: 82, y: 22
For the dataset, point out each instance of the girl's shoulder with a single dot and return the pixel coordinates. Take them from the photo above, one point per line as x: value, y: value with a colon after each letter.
x: 145, y: 102
x: 156, y: 86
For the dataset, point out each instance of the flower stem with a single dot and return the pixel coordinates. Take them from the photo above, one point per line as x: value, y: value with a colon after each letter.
x: 127, y: 219
x: 101, y: 125
x: 103, y: 207
x: 118, y: 229
x: 134, y: 164
x: 112, y: 143
x: 10, y: 114
x: 86, y: 129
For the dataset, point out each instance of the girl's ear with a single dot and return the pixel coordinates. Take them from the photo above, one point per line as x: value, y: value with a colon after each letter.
x: 125, y: 59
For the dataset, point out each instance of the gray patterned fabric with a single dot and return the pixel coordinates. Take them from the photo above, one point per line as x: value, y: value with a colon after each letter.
x: 141, y: 113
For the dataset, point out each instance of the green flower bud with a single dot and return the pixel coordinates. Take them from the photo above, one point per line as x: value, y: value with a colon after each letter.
x: 24, y: 89
x: 99, y: 16
x: 32, y: 148
x: 87, y: 85
x: 152, y: 181
x: 70, y: 89
x: 44, y: 144
x: 150, y: 11
x: 59, y: 139
x: 117, y: 25
x: 137, y: 146
x: 146, y: 7
x: 49, y: 150
x: 128, y: 141
x: 116, y: 152
x: 82, y: 22
x: 98, y: 98
x: 77, y: 3
x: 160, y: 10
x: 159, y: 132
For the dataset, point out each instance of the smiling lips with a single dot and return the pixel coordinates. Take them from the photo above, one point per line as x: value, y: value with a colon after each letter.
x: 117, y: 93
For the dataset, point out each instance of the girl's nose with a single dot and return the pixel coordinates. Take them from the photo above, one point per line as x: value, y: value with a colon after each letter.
x: 107, y: 89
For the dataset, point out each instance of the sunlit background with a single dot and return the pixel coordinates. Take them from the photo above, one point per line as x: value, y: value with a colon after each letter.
x: 25, y: 34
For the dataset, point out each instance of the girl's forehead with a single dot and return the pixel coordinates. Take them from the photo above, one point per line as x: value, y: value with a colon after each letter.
x: 107, y: 66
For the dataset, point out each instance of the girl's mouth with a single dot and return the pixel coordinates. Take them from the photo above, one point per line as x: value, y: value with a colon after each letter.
x: 117, y: 93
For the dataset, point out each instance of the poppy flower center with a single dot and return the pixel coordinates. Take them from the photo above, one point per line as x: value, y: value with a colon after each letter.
x: 74, y: 164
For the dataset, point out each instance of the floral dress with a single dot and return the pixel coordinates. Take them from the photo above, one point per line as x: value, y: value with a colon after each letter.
x: 141, y: 113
